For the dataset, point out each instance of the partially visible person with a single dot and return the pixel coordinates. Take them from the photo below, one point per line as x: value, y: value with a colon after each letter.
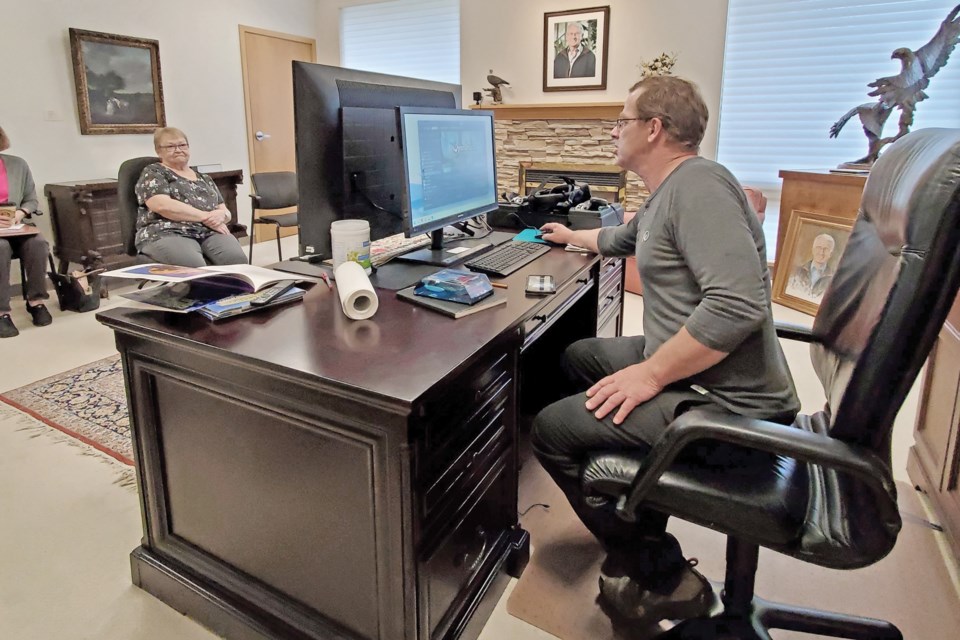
x: 709, y: 342
x: 811, y: 278
x: 18, y: 191
x: 182, y: 218
x: 576, y: 60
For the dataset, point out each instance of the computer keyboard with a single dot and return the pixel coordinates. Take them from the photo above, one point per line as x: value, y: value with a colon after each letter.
x: 507, y: 258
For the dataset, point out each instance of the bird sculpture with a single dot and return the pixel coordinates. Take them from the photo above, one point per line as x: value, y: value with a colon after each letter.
x: 495, y: 94
x: 902, y: 91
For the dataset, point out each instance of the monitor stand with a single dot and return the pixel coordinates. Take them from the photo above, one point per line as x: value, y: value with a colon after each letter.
x: 448, y: 255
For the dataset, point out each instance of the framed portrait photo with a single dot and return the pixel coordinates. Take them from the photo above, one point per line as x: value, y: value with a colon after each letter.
x: 575, y: 49
x: 118, y: 83
x: 812, y: 248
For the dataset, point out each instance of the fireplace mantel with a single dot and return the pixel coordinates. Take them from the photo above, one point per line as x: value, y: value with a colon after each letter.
x: 555, y: 111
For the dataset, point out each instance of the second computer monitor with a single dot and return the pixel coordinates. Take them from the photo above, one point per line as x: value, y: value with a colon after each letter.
x: 449, y: 168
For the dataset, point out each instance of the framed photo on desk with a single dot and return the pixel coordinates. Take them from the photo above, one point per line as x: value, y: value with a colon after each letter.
x: 575, y: 49
x: 812, y: 248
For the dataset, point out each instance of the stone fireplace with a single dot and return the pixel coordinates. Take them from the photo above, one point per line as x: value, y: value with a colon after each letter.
x: 569, y: 134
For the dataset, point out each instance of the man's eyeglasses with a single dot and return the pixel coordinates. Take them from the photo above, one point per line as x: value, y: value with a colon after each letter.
x: 174, y: 147
x: 623, y: 121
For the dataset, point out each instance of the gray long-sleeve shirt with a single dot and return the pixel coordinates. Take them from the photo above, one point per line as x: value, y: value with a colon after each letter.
x: 703, y: 263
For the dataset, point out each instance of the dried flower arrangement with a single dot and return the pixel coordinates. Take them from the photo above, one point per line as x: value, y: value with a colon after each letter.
x: 659, y: 66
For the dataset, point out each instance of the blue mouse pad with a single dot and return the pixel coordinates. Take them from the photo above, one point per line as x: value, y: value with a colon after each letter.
x: 529, y: 235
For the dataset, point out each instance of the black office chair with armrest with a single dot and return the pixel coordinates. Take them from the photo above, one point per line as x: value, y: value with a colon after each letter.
x: 273, y: 190
x: 127, y: 178
x: 828, y: 497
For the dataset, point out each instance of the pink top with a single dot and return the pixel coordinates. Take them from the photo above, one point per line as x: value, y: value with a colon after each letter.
x: 4, y: 183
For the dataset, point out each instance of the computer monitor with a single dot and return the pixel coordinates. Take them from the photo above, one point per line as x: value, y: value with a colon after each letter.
x: 450, y: 173
x: 360, y: 175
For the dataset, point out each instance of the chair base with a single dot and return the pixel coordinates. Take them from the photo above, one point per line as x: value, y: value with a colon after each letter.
x: 764, y: 615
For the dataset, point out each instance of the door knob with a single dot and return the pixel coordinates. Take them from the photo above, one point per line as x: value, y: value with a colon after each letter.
x: 260, y: 136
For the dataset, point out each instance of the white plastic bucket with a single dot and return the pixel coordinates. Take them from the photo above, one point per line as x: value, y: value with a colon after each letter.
x: 351, y: 243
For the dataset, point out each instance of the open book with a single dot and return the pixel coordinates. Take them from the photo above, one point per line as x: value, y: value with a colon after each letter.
x: 231, y: 277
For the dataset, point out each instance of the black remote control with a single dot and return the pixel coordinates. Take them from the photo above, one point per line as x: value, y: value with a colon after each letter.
x: 271, y: 293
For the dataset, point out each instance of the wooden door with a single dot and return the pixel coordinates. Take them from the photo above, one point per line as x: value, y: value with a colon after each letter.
x: 266, y: 58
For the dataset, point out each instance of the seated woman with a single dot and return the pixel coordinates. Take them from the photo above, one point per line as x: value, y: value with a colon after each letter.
x: 18, y: 196
x: 182, y: 219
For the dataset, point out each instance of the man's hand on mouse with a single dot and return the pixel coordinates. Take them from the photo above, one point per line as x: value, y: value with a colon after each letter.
x: 556, y: 232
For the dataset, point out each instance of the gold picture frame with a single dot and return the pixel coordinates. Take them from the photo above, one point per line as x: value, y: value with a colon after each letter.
x: 118, y: 83
x: 588, y: 68
x: 811, y: 240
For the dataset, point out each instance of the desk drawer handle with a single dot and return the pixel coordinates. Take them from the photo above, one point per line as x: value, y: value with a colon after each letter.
x: 474, y: 562
x: 583, y: 280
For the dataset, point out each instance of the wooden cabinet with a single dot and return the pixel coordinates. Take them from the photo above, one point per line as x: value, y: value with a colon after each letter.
x: 934, y: 462
x: 832, y: 194
x: 85, y: 218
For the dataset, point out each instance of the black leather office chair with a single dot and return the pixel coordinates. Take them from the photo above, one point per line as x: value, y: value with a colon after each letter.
x: 828, y: 497
x: 127, y: 178
x: 273, y: 190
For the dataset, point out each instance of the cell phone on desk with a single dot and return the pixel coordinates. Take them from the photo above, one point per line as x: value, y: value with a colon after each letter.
x: 541, y: 285
x: 271, y: 293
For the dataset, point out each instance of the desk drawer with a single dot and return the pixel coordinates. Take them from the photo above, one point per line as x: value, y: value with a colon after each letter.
x: 447, y: 473
x: 443, y: 414
x: 549, y: 314
x: 457, y: 564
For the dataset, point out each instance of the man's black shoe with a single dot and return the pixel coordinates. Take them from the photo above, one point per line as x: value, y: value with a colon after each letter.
x: 7, y: 328
x: 688, y: 596
x: 41, y: 317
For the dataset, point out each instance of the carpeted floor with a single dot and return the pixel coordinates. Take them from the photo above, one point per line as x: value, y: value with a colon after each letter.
x: 557, y: 592
x: 87, y: 403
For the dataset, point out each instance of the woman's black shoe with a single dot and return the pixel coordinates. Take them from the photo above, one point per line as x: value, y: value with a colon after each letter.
x: 41, y: 317
x: 7, y: 328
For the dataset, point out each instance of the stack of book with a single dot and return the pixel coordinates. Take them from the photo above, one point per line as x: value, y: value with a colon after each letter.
x: 216, y: 291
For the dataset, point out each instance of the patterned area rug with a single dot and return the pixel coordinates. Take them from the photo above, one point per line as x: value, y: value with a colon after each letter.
x: 88, y: 403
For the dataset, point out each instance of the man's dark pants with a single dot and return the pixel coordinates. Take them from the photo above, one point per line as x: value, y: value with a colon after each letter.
x: 566, y: 433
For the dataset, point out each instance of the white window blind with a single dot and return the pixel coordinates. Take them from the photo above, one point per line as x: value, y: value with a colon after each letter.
x: 792, y: 69
x: 414, y: 38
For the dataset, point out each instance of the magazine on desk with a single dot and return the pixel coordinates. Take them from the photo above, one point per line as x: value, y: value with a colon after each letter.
x: 235, y: 277
x: 180, y: 298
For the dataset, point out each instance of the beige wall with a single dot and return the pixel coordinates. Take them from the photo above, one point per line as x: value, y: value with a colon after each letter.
x: 507, y: 35
x: 200, y: 64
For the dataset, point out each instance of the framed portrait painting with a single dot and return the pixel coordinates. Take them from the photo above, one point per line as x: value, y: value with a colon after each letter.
x: 575, y: 49
x: 812, y: 248
x: 118, y: 83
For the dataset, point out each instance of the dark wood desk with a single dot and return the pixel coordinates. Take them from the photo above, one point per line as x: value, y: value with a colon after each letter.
x: 302, y: 475
x: 85, y: 217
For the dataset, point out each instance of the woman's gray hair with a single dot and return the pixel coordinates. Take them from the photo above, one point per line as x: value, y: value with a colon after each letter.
x: 167, y: 132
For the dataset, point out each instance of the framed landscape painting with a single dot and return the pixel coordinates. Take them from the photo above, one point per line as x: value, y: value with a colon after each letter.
x: 812, y: 248
x: 118, y: 83
x: 575, y: 49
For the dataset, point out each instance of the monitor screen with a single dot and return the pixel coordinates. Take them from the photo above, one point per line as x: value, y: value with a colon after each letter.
x: 449, y: 167
x: 354, y: 175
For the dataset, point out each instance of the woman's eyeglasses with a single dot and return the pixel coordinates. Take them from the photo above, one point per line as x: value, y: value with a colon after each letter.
x: 174, y: 147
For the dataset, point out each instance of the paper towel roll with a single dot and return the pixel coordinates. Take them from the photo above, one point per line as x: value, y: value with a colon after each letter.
x: 357, y: 297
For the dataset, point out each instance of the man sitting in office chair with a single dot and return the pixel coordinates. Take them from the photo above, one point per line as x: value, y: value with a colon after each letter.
x: 182, y: 218
x: 709, y: 339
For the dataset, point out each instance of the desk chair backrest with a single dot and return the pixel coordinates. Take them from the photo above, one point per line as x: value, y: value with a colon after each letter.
x: 878, y: 321
x: 127, y: 178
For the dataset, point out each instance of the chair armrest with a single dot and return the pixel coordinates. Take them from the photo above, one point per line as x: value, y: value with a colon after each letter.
x: 700, y: 424
x: 792, y: 331
x: 255, y: 200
